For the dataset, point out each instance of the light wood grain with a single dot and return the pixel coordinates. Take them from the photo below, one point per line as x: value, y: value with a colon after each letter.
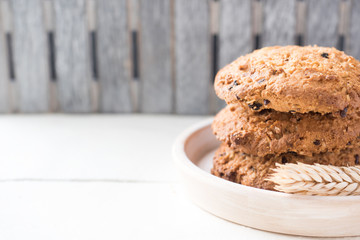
x: 322, y: 22
x: 279, y: 24
x: 354, y: 38
x: 114, y: 56
x: 72, y: 56
x: 30, y: 55
x: 155, y: 56
x: 192, y: 56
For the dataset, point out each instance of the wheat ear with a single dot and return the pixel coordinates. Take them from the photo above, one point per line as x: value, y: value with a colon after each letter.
x: 323, y: 180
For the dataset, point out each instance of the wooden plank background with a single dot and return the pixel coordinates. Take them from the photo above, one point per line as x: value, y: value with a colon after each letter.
x: 354, y: 41
x: 192, y: 56
x: 114, y: 56
x: 72, y: 56
x: 160, y: 56
x: 155, y: 56
x: 30, y: 55
x: 322, y: 25
x: 234, y: 40
x: 279, y: 22
x: 5, y: 104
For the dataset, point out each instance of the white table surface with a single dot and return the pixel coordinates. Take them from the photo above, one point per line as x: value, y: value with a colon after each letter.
x: 100, y: 177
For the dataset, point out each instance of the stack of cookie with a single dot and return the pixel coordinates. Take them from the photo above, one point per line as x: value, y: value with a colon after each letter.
x: 286, y: 105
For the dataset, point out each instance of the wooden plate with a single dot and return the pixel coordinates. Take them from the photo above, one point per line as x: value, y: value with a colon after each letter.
x: 257, y: 208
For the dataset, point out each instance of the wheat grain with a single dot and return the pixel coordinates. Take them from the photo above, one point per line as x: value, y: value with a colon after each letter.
x: 323, y: 180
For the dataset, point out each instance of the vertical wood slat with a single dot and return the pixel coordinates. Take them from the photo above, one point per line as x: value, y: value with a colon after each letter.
x: 134, y: 29
x: 72, y: 56
x: 155, y: 56
x: 192, y: 56
x: 234, y: 40
x: 4, y: 73
x: 30, y: 55
x: 279, y: 22
x: 354, y: 38
x: 49, y: 28
x: 114, y: 56
x: 322, y: 25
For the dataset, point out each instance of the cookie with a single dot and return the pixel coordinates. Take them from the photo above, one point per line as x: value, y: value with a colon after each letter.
x: 238, y: 167
x: 271, y: 132
x: 292, y: 79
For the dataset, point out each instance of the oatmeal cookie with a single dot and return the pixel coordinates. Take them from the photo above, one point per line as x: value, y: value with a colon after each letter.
x: 238, y: 167
x: 271, y: 132
x: 292, y: 79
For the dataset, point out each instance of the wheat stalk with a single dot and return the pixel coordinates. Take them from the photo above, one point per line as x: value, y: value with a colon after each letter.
x: 323, y: 180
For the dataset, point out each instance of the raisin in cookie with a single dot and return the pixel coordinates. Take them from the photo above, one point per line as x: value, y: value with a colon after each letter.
x: 238, y: 167
x: 271, y: 132
x: 292, y: 78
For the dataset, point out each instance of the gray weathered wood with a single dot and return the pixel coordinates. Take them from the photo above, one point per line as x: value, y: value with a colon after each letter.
x: 235, y: 30
x: 192, y: 56
x: 114, y: 56
x: 155, y: 56
x: 72, y: 55
x: 322, y: 22
x: 279, y: 22
x: 234, y: 41
x: 354, y: 40
x: 30, y: 55
x: 4, y: 73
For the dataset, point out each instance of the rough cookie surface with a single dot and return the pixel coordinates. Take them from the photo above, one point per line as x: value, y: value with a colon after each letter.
x: 271, y: 132
x: 292, y: 78
x: 248, y: 170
